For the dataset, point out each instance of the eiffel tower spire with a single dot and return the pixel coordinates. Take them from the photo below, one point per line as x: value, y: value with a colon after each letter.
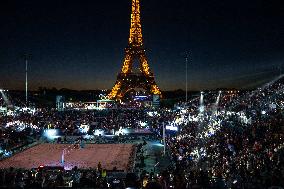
x: 126, y: 79
x: 135, y: 37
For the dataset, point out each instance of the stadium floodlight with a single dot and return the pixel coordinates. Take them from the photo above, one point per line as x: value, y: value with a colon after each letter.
x: 50, y: 134
x: 171, y: 128
x: 7, y: 102
x: 201, y: 102
x: 99, y: 132
x: 142, y: 124
x: 84, y: 128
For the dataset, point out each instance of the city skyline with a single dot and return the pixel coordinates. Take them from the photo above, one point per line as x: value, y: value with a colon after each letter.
x: 81, y: 45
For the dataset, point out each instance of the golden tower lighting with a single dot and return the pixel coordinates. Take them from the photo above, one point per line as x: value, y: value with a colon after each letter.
x: 135, y: 50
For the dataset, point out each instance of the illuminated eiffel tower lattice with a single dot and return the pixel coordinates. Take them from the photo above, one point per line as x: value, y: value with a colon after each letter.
x: 128, y: 79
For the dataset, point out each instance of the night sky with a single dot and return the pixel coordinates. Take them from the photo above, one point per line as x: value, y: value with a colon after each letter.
x: 80, y: 44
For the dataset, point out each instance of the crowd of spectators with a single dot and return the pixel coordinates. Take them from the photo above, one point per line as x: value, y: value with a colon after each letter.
x: 240, y: 145
x: 227, y: 139
x: 23, y: 126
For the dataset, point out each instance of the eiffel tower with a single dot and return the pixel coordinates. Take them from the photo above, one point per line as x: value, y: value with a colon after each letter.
x: 127, y: 79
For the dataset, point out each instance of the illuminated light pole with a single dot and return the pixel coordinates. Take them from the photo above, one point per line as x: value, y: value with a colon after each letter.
x: 26, y: 57
x: 164, y: 137
x: 186, y: 80
x: 201, y: 102
x: 26, y: 82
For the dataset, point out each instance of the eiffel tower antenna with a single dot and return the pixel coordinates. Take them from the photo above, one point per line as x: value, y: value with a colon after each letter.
x: 127, y: 79
x: 135, y: 37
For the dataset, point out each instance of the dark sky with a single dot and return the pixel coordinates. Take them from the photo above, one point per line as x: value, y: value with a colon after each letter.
x: 80, y: 44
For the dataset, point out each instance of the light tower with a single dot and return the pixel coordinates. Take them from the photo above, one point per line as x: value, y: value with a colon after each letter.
x: 26, y: 58
x: 186, y: 76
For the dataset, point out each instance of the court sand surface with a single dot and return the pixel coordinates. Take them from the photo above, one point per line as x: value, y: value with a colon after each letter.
x: 110, y: 156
